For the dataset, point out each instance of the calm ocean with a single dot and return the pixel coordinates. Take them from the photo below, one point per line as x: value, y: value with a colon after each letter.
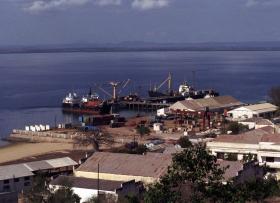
x: 33, y: 85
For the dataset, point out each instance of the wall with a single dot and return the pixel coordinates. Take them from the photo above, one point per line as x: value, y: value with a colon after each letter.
x: 86, y: 194
x: 250, y: 171
x: 115, y: 177
x: 15, y: 186
x: 262, y: 150
x: 240, y: 112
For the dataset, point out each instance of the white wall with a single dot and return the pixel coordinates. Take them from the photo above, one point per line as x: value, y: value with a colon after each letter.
x: 241, y: 113
x: 86, y: 194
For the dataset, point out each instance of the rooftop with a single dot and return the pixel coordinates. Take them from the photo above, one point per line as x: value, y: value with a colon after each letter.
x: 261, y: 108
x: 50, y: 164
x: 27, y: 169
x: 14, y: 171
x: 251, y: 137
x: 149, y: 165
x: 88, y: 183
x: 232, y: 171
x: 212, y: 102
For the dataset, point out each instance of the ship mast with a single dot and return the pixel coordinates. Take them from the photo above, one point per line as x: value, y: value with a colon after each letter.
x: 169, y: 82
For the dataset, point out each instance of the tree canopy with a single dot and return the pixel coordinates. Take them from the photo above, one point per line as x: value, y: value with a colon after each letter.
x: 195, y: 176
x: 274, y: 94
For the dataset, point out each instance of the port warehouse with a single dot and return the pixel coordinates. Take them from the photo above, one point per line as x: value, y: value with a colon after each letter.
x: 214, y: 104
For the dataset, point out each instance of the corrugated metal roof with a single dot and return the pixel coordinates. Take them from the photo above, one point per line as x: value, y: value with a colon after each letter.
x: 26, y: 169
x: 262, y: 108
x: 14, y: 171
x: 264, y: 134
x: 38, y: 165
x: 61, y: 162
x: 213, y: 103
x: 149, y: 165
x: 51, y: 163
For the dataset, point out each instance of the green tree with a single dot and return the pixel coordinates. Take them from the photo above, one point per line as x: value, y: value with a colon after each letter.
x: 274, y: 94
x: 142, y: 130
x: 237, y: 128
x: 63, y: 195
x: 193, y: 176
x: 39, y: 190
x: 184, y: 142
x: 93, y: 139
x: 131, y: 148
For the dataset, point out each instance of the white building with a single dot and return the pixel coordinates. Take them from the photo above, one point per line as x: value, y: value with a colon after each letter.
x: 87, y: 188
x: 163, y: 112
x: 264, y: 110
x: 257, y: 122
x: 265, y: 147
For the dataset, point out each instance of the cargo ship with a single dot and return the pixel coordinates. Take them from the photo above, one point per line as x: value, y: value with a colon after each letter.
x: 186, y: 91
x: 89, y: 104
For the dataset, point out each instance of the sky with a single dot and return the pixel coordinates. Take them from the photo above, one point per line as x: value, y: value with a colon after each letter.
x: 35, y: 22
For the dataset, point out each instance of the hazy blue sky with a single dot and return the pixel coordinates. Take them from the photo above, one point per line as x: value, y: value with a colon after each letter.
x: 98, y: 21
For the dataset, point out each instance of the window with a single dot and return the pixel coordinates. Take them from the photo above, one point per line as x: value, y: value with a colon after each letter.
x: 27, y: 184
x: 16, y: 180
x: 269, y: 159
x: 6, y: 181
x: 27, y: 178
x: 220, y: 155
x: 6, y: 188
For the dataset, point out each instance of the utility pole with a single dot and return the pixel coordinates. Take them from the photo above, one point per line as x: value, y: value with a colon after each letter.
x: 98, y: 182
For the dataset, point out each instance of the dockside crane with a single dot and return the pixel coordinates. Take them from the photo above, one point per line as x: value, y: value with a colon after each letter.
x: 167, y: 80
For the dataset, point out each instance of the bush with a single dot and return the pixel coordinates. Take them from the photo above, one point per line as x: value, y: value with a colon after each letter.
x: 132, y: 148
x: 237, y: 128
x: 184, y: 142
x: 142, y: 130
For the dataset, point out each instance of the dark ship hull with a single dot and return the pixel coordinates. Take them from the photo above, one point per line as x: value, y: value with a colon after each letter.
x: 193, y: 95
x: 105, y: 108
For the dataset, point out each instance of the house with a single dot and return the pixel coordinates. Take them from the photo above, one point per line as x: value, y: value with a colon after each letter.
x: 265, y: 110
x: 257, y: 122
x: 214, y: 104
x: 125, y: 167
x: 87, y: 188
x: 15, y: 178
x: 260, y: 144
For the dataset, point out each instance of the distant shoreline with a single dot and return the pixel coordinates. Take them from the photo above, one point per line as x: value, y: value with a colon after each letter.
x: 130, y: 49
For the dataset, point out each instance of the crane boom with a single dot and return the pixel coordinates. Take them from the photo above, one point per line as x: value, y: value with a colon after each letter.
x: 106, y: 92
x: 169, y: 80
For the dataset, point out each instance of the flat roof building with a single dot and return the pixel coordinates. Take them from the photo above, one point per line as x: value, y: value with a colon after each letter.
x: 125, y: 167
